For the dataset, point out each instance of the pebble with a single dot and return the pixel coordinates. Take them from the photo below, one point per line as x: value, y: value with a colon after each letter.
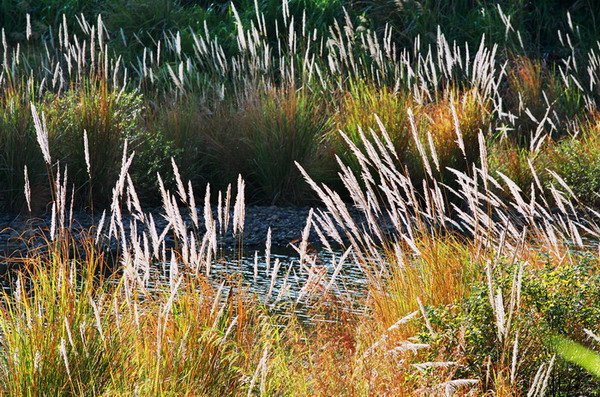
x: 19, y: 232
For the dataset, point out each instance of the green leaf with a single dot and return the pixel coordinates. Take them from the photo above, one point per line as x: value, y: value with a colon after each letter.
x: 577, y: 354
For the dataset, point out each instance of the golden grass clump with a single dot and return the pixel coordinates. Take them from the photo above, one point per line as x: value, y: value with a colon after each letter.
x: 69, y: 328
x: 441, y: 274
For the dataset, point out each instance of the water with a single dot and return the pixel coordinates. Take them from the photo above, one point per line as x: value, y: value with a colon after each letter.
x: 283, y: 284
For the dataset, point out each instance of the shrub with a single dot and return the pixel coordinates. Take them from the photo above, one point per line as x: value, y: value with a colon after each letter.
x: 560, y: 299
x: 468, y: 21
x: 153, y: 153
x: 577, y: 161
x: 574, y: 158
x: 142, y: 22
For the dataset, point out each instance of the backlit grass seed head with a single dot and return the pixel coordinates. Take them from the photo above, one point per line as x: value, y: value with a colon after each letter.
x: 239, y: 210
x: 27, y: 189
x: 41, y: 134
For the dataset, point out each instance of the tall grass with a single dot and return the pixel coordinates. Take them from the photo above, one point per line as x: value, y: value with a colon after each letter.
x: 471, y: 245
x: 79, y: 321
x: 106, y: 118
x: 19, y: 150
x: 419, y: 262
x: 69, y: 330
x: 517, y: 26
x: 261, y: 134
x: 348, y: 74
x: 287, y: 127
x: 361, y: 109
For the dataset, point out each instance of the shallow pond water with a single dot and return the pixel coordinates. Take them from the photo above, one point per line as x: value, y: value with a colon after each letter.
x: 283, y: 283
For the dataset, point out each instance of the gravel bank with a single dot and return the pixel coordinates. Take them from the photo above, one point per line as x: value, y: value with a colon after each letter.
x: 286, y: 223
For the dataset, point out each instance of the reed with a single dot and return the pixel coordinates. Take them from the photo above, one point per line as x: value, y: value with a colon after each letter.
x: 409, y: 267
x: 19, y: 150
x: 473, y: 234
x: 447, y: 86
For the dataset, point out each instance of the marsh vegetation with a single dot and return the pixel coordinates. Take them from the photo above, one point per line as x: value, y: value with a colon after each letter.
x: 466, y: 137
